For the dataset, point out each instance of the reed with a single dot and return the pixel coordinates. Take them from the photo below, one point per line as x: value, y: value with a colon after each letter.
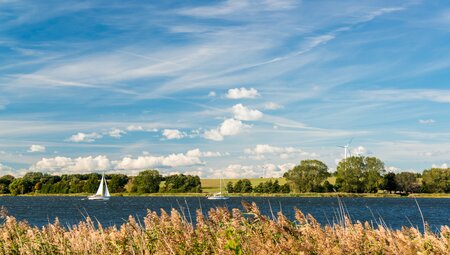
x: 219, y: 231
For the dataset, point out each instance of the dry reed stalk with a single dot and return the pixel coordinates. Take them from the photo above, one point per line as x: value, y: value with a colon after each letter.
x: 222, y: 232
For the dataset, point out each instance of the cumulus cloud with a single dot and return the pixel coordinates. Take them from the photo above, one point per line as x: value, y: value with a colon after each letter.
x: 133, y: 128
x: 90, y: 163
x: 393, y: 169
x: 360, y: 150
x: 173, y: 134
x: 73, y: 165
x: 260, y: 150
x: 427, y: 122
x: 276, y: 171
x: 83, y: 137
x: 212, y: 94
x: 243, y: 113
x: 213, y: 134
x: 238, y: 93
x: 252, y: 171
x: 444, y: 166
x: 116, y: 133
x: 36, y: 148
x: 4, y: 168
x: 207, y: 154
x: 229, y: 127
x: 272, y: 106
x: 143, y: 162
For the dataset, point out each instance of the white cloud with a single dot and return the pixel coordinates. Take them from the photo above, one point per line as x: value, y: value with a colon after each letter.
x: 239, y: 171
x: 4, y: 168
x: 116, y: 133
x: 243, y: 113
x: 133, y: 128
x: 426, y: 122
x: 444, y: 166
x: 229, y: 127
x: 360, y: 150
x: 434, y: 95
x: 283, y: 152
x: 73, y: 165
x: 272, y: 170
x: 144, y: 162
x: 36, y: 148
x: 207, y: 154
x: 213, y: 134
x: 212, y: 94
x: 272, y: 106
x: 238, y: 93
x: 83, y: 137
x: 173, y: 134
x: 252, y: 171
x: 89, y: 164
x: 393, y: 169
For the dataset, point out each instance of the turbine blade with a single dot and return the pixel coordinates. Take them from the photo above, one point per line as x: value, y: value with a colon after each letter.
x: 350, y: 142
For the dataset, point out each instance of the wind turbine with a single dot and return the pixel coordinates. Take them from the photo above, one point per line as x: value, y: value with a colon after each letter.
x: 346, y: 151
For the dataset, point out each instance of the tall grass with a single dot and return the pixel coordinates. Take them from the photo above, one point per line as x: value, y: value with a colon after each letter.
x: 219, y: 232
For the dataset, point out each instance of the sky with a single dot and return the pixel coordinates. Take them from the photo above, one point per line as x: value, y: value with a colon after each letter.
x: 222, y: 88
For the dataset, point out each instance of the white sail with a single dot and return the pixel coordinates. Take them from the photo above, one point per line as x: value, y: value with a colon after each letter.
x: 100, y: 191
x: 106, y: 189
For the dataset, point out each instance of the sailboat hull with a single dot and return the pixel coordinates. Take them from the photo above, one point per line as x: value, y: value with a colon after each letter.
x: 217, y: 198
x: 102, y: 198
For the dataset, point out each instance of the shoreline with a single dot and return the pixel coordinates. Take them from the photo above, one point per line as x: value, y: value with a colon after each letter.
x: 311, y: 195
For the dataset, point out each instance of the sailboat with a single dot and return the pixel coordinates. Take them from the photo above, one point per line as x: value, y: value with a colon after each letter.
x: 102, y: 192
x: 218, y: 195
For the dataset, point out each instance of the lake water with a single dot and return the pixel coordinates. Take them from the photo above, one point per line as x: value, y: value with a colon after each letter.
x: 395, y: 212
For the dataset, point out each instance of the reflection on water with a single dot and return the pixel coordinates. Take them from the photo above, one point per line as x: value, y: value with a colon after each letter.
x: 395, y: 212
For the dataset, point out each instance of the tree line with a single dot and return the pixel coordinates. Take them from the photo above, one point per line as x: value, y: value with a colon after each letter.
x: 359, y: 174
x: 148, y: 181
x: 245, y: 186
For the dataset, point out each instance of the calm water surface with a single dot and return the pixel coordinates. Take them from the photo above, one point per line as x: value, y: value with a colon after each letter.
x: 395, y: 212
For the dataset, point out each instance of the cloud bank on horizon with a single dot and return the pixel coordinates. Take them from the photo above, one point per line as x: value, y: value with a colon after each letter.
x: 238, y: 88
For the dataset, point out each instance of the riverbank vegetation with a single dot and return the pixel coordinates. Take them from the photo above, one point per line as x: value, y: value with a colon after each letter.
x: 220, y: 232
x: 355, y: 175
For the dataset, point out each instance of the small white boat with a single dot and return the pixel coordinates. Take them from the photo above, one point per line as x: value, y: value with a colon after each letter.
x: 218, y: 195
x: 102, y: 192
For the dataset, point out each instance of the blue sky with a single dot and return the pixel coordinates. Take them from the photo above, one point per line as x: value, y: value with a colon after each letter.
x: 232, y: 88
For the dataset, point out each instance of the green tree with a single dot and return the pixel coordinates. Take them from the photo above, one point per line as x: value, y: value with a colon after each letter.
x: 20, y: 186
x: 91, y: 184
x: 372, y: 174
x: 308, y: 176
x: 33, y: 178
x: 243, y: 186
x: 147, y: 182
x: 359, y: 174
x: 436, y: 180
x: 389, y: 182
x: 182, y: 183
x: 117, y: 183
x: 285, y: 188
x: 406, y: 182
x: 229, y: 188
x: 4, y: 183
